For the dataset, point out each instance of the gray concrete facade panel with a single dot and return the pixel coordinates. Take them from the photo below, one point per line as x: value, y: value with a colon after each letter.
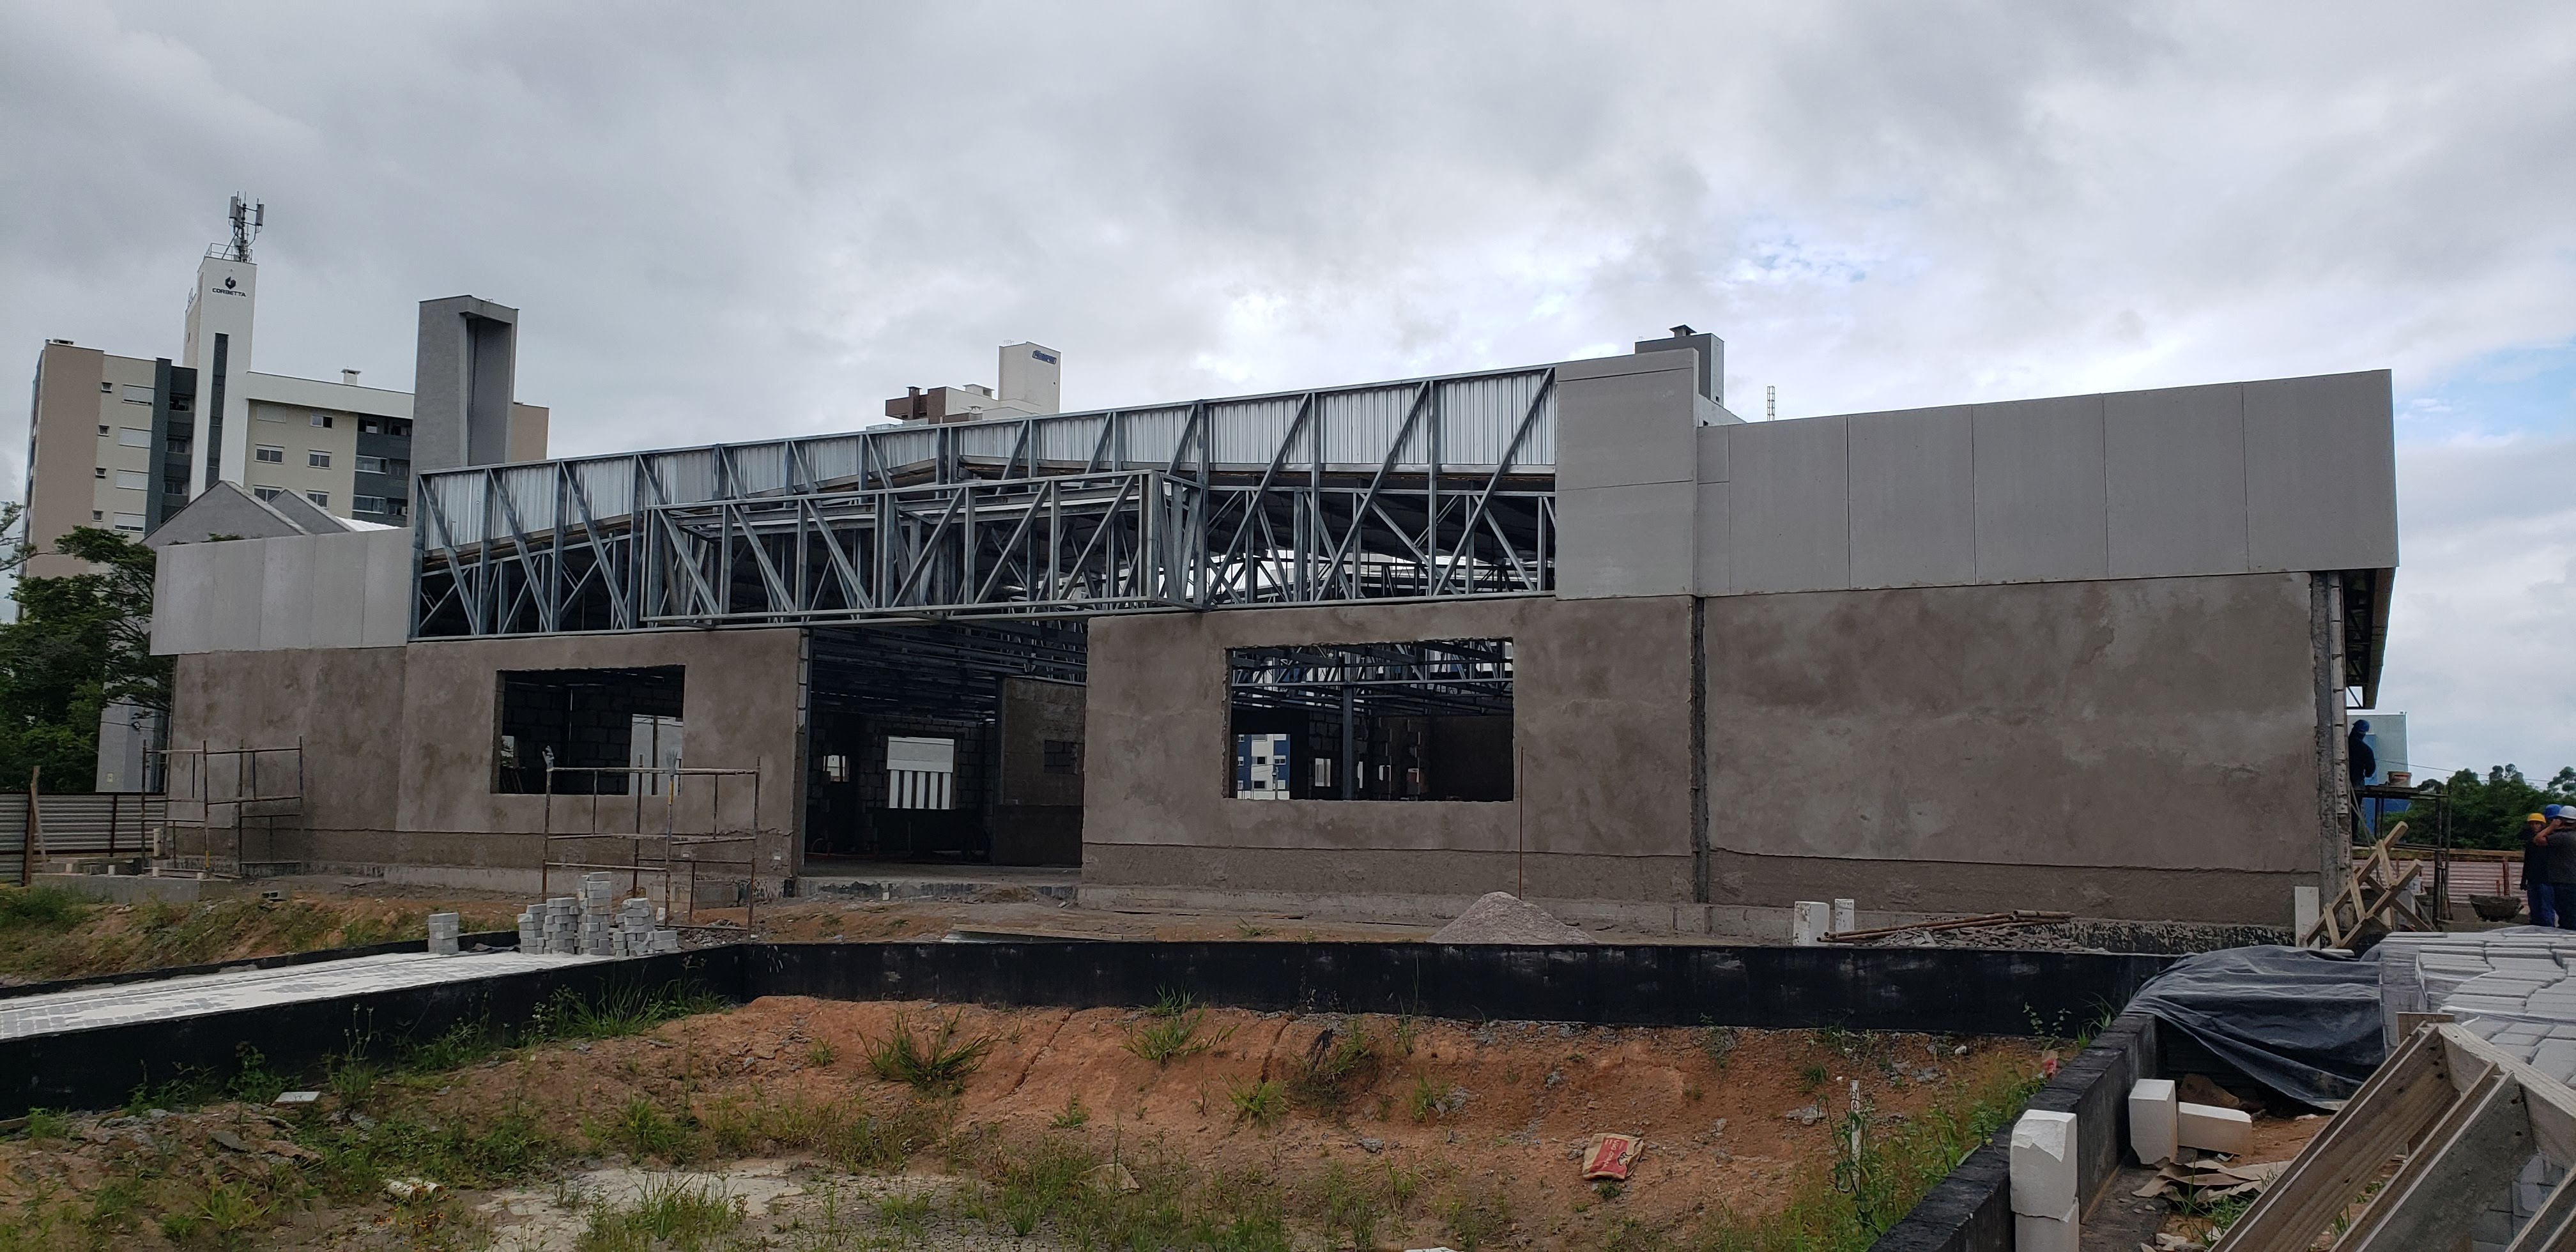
x: 1712, y: 454
x: 2042, y: 511
x: 2174, y: 464
x: 2321, y: 473
x: 340, y: 619
x: 1788, y: 523
x: 1618, y: 430
x: 1626, y: 541
x: 1712, y: 571
x: 1913, y: 498
x: 286, y: 592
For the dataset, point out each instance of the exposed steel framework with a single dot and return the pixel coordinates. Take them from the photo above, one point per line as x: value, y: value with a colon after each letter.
x: 1428, y: 488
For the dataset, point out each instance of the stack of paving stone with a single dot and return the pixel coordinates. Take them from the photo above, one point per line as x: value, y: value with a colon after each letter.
x: 532, y: 933
x: 560, y: 926
x: 442, y: 934
x: 634, y: 933
x: 596, y: 894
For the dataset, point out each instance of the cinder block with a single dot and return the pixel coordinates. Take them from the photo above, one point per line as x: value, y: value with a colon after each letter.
x: 1846, y: 916
x: 1810, y: 921
x: 2043, y: 1164
x: 2062, y: 1233
x: 2151, y: 1120
x: 2213, y: 1129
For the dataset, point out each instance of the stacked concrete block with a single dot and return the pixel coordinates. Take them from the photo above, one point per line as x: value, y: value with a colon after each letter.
x: 2213, y: 1129
x: 634, y: 933
x: 665, y: 941
x: 2153, y: 1132
x: 562, y: 925
x: 442, y: 934
x: 2046, y: 1207
x: 597, y: 893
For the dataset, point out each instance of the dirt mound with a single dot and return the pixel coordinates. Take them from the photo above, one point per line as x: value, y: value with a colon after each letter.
x: 1501, y: 917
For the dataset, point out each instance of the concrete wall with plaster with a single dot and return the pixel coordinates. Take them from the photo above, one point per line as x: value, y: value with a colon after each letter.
x: 1602, y: 708
x: 2137, y: 748
x: 399, y: 742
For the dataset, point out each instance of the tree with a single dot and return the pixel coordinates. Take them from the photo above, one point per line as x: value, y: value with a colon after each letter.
x: 81, y: 643
x: 2488, y: 812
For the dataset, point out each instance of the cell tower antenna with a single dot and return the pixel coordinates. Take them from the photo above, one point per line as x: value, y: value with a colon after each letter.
x: 1770, y: 403
x: 247, y: 220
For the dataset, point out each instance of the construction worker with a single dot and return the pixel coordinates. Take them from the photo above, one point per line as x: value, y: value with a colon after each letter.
x: 2536, y: 887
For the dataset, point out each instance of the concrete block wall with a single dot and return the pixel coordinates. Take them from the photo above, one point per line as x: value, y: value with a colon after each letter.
x: 291, y: 592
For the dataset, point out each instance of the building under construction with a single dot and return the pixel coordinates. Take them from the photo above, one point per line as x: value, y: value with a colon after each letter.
x: 1571, y: 630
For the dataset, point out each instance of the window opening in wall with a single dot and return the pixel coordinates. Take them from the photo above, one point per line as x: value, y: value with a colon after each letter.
x: 136, y: 395
x: 268, y: 493
x: 130, y: 522
x: 322, y: 420
x: 269, y: 454
x: 580, y: 720
x: 836, y: 767
x: 920, y: 773
x: 1424, y: 720
x: 367, y: 504
x: 371, y: 465
x: 320, y: 499
x: 1061, y: 756
x: 129, y: 437
x: 98, y: 472
x: 317, y: 460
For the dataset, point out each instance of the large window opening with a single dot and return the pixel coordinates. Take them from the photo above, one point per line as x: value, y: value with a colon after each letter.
x: 592, y: 726
x: 958, y: 741
x: 1427, y: 720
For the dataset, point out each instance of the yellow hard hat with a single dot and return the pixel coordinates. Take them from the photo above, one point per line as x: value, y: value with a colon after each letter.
x: 2535, y: 818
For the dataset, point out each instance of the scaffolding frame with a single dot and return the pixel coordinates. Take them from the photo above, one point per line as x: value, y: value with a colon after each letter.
x: 664, y: 852
x: 246, y: 782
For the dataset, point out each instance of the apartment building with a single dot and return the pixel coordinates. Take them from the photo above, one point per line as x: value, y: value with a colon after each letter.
x: 125, y: 442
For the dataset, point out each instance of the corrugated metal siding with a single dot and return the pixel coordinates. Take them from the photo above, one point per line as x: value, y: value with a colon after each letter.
x: 1469, y: 425
x: 76, y: 825
x: 529, y: 489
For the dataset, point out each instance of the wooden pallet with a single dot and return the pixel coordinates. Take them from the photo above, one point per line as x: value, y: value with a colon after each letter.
x: 2462, y: 1118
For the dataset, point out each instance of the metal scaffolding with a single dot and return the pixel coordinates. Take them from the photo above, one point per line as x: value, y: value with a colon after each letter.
x: 1429, y: 488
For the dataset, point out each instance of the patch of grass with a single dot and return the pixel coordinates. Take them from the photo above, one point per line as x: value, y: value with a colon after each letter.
x: 1073, y: 1116
x: 1851, y: 1045
x: 1718, y: 1043
x: 358, y: 1156
x: 668, y: 1214
x: 1422, y: 1101
x: 1812, y: 1078
x: 932, y: 1063
x: 620, y: 1011
x: 1348, y: 1207
x: 1476, y: 1217
x: 645, y: 1132
x: 845, y: 1132
x: 45, y: 1125
x: 41, y: 909
x: 1261, y: 1103
x: 906, y: 1213
x: 1338, y: 1064
x: 1847, y: 1208
x: 821, y: 1055
x: 252, y: 1081
x: 1059, y: 1187
x: 1164, y: 1039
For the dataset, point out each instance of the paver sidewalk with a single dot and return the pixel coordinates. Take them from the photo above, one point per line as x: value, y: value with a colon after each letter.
x: 197, y: 995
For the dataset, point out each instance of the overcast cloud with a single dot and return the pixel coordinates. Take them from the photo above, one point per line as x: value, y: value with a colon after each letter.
x: 722, y: 224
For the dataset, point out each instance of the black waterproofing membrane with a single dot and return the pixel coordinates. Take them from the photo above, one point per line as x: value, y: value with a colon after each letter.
x: 2301, y: 1022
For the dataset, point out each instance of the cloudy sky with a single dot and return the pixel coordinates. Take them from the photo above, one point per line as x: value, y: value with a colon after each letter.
x: 726, y: 221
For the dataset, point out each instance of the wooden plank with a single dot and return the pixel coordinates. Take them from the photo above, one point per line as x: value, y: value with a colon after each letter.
x: 2409, y: 1092
x: 2553, y: 1228
x: 2441, y: 1188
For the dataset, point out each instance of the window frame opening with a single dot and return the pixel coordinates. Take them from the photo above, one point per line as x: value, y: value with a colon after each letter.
x: 1427, y: 720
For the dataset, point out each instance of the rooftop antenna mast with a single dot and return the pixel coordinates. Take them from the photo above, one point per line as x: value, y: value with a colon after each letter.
x: 247, y: 220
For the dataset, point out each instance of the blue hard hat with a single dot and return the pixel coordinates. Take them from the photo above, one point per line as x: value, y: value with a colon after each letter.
x: 2553, y: 811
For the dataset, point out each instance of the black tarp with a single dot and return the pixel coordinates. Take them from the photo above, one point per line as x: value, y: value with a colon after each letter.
x: 2301, y: 1022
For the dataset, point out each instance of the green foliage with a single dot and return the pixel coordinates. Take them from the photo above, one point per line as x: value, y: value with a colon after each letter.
x: 45, y: 1125
x: 1074, y: 1115
x: 359, y: 1155
x: 2487, y: 812
x: 1338, y: 1064
x: 934, y: 1063
x: 1811, y: 1078
x: 669, y: 1214
x: 1163, y: 1040
x: 81, y: 642
x: 620, y: 1011
x: 40, y: 910
x: 1064, y: 1188
x: 643, y: 1130
x: 1262, y: 1103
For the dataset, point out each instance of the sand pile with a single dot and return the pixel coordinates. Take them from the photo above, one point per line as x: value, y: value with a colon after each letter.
x: 1501, y: 917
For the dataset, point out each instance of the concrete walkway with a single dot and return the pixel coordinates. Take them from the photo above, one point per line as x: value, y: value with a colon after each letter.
x: 89, y: 1008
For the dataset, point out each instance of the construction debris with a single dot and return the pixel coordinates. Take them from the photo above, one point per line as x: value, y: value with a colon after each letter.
x: 1978, y: 921
x: 1501, y: 917
x: 1610, y: 1155
x: 2375, y: 901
